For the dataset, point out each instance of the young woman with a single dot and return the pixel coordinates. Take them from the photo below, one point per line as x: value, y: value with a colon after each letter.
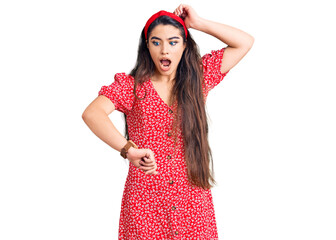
x: 167, y: 192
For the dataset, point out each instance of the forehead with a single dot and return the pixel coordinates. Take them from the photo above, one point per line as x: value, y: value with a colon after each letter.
x: 165, y: 31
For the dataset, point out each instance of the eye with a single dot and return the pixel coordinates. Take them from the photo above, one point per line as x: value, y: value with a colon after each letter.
x: 173, y: 43
x: 155, y: 43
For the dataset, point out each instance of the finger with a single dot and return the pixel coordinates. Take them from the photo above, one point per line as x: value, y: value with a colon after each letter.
x: 142, y: 168
x: 185, y: 10
x: 150, y: 165
x: 151, y: 156
x: 150, y: 169
x: 150, y: 160
x: 147, y: 159
x: 145, y: 168
x: 146, y: 162
x: 176, y: 9
x: 181, y: 7
x: 180, y: 11
x: 148, y: 154
x: 141, y: 163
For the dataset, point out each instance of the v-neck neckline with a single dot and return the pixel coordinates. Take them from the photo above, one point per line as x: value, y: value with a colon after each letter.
x: 158, y: 95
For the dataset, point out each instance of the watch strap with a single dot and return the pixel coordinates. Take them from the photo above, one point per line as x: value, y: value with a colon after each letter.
x: 124, y: 150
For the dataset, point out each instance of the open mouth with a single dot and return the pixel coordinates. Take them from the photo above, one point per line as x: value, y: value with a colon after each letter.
x: 165, y: 62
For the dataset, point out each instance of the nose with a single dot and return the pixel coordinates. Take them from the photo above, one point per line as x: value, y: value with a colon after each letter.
x: 164, y: 49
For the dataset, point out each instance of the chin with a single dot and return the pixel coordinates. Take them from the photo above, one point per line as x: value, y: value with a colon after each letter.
x: 167, y: 73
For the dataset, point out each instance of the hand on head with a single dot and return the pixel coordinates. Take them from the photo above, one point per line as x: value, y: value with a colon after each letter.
x: 188, y: 14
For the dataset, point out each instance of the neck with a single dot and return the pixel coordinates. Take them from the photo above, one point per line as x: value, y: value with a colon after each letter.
x: 157, y: 77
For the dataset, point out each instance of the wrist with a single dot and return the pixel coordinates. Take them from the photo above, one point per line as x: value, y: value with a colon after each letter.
x: 130, y: 152
x: 126, y: 148
x: 199, y: 24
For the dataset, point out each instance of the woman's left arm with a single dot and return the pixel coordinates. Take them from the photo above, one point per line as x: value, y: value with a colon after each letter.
x: 238, y: 41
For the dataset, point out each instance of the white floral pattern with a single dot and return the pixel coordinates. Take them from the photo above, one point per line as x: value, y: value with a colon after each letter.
x: 163, y: 206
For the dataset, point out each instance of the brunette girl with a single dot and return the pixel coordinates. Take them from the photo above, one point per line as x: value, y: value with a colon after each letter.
x: 167, y: 194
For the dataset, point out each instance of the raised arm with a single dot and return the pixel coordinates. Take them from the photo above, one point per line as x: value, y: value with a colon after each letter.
x: 238, y: 41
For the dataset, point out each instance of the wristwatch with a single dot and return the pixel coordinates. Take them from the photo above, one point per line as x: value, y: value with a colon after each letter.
x: 124, y: 150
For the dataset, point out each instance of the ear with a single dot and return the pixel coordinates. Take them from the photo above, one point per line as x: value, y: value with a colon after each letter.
x: 147, y: 43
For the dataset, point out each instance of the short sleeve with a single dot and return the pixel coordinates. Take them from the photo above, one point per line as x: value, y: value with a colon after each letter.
x: 120, y: 92
x: 211, y: 69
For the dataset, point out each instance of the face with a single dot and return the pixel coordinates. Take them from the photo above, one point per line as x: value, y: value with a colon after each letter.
x: 166, y: 47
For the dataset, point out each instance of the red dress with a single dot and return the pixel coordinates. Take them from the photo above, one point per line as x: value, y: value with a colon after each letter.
x: 163, y: 206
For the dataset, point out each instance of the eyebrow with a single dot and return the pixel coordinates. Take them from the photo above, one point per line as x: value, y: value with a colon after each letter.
x: 168, y: 38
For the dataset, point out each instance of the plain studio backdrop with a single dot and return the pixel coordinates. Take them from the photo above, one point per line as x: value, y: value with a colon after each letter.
x: 272, y: 119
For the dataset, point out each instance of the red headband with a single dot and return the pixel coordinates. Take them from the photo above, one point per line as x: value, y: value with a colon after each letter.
x: 164, y: 13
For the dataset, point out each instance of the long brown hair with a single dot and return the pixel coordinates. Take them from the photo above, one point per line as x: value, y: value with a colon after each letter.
x: 188, y: 92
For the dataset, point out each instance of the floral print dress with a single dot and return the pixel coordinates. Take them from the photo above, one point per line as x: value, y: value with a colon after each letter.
x: 163, y: 206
